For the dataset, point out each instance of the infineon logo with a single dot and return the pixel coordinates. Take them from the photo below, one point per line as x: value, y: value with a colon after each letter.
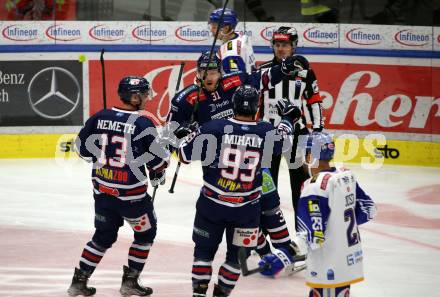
x: 359, y: 36
x: 145, y: 32
x: 408, y: 38
x: 59, y: 32
x: 267, y: 33
x: 18, y: 33
x: 315, y: 35
x: 104, y: 33
x: 187, y: 33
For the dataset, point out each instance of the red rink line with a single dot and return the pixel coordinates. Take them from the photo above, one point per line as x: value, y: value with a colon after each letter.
x: 390, y: 235
x: 425, y: 194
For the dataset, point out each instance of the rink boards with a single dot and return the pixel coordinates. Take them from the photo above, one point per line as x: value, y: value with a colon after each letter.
x: 393, y: 102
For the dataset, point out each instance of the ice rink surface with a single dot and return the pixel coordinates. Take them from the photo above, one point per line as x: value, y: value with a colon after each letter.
x: 46, y: 217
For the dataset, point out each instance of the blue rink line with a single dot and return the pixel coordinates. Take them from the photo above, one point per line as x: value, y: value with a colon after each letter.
x: 201, y: 48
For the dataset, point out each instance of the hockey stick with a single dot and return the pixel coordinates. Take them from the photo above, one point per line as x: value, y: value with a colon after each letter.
x: 211, y: 51
x: 173, y: 183
x: 205, y: 73
x: 104, y: 93
x: 242, y: 259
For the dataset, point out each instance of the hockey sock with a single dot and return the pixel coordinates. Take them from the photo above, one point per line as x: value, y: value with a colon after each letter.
x: 201, y: 272
x: 228, y: 275
x: 90, y: 257
x: 279, y: 236
x: 263, y: 247
x: 137, y: 255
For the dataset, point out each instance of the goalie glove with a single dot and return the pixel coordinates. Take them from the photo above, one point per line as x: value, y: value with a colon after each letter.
x: 275, y: 262
x: 287, y: 109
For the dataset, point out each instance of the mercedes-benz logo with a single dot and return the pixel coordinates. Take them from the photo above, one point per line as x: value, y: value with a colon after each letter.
x: 54, y: 93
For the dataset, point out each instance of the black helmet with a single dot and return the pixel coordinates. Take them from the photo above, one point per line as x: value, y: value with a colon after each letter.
x: 245, y: 100
x: 132, y: 85
x: 285, y: 34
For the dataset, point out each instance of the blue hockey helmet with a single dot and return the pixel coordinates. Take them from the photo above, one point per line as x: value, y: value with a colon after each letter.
x: 205, y: 62
x: 229, y: 17
x: 130, y: 85
x: 321, y: 146
x: 245, y: 100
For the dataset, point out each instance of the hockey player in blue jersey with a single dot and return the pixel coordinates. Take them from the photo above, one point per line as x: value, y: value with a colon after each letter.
x: 236, y: 52
x: 210, y: 97
x: 232, y: 152
x: 121, y: 143
x: 213, y: 101
x: 331, y: 206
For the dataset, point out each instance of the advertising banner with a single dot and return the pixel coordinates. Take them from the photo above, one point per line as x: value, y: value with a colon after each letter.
x: 356, y: 36
x: 357, y: 97
x: 41, y: 93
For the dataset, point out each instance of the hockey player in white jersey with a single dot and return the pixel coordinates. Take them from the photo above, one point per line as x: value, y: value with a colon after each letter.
x: 236, y: 52
x: 331, y: 206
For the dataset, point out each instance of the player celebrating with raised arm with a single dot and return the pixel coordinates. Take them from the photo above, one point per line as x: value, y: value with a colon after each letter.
x: 236, y: 52
x: 331, y: 206
x: 232, y: 152
x: 114, y: 140
x: 295, y: 88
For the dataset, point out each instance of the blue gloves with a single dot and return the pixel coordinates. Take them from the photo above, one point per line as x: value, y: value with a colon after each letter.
x: 275, y: 262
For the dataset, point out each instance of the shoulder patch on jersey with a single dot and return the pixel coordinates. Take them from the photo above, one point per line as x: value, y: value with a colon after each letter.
x: 268, y: 184
x: 195, y: 97
x: 229, y: 82
x: 229, y: 46
x: 238, y: 47
x: 324, y: 181
x: 313, y: 206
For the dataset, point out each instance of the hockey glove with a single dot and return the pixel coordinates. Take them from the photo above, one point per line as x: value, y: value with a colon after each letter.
x: 157, y: 178
x: 185, y: 130
x: 279, y: 259
x: 287, y: 109
x: 289, y: 67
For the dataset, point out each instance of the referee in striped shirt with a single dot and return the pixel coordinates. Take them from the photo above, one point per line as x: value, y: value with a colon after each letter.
x: 299, y: 88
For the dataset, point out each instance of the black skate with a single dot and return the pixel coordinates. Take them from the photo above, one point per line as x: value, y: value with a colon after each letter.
x: 130, y: 285
x: 219, y: 291
x: 200, y: 290
x: 79, y: 284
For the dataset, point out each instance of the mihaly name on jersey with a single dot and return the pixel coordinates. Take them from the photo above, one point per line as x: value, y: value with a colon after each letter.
x: 115, y: 126
x: 243, y: 140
